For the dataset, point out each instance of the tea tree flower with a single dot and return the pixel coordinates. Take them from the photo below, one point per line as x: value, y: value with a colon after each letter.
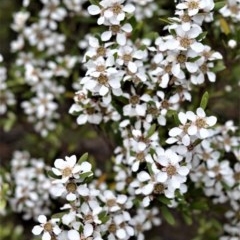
x: 49, y: 228
x: 69, y: 168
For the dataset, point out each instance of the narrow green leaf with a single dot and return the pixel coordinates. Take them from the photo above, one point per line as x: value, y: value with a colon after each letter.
x: 167, y: 215
x: 204, y: 100
x: 164, y: 200
x: 52, y: 175
x: 219, y: 5
x: 224, y: 26
x: 151, y: 130
x: 83, y: 158
x: 86, y: 174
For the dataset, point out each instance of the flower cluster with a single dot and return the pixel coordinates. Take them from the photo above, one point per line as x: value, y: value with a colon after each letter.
x: 91, y: 212
x: 7, y: 97
x: 143, y: 89
x: 31, y: 187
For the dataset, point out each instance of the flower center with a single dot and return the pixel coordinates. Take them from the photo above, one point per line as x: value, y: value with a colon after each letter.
x: 171, y: 170
x: 71, y: 187
x: 48, y: 227
x: 200, y: 123
x: 127, y: 58
x: 134, y: 100
x: 181, y: 58
x: 153, y: 111
x: 111, y: 202
x: 193, y: 5
x: 185, y: 42
x: 204, y: 68
x: 66, y: 172
x: 158, y: 188
x: 185, y: 18
x: 102, y: 79
x: 168, y: 68
x: 116, y: 8
x: 165, y: 104
x: 115, y: 28
x: 88, y: 218
x: 100, y: 68
x: 140, y: 156
x: 101, y: 51
x: 112, y: 228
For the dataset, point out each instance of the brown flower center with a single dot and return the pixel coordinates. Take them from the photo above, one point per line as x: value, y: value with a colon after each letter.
x: 171, y: 170
x: 48, y: 227
x: 66, y: 172
x: 71, y: 187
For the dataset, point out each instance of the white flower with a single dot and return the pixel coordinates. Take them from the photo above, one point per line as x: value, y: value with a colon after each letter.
x: 194, y: 6
x: 120, y: 32
x: 112, y: 11
x: 69, y: 168
x: 171, y: 172
x: 200, y: 123
x: 48, y: 228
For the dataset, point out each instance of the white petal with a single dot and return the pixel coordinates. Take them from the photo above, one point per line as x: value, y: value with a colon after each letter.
x: 197, y: 47
x: 171, y: 140
x: 46, y: 236
x: 73, y: 235
x: 175, y: 132
x: 192, y: 130
x: 103, y: 90
x: 37, y: 230
x: 121, y: 39
x: 42, y: 219
x: 200, y: 112
x: 211, y: 76
x: 203, y: 133
x: 183, y: 171
x: 132, y: 67
x: 106, y: 35
x: 211, y: 121
x: 162, y: 177
x: 121, y: 234
x: 71, y: 197
x: 147, y: 189
x: 94, y: 10
x: 141, y: 146
x: 191, y: 67
x: 82, y: 119
x: 143, y: 176
x: 129, y: 8
x: 127, y: 28
x: 182, y: 117
x: 88, y: 230
x: 186, y: 140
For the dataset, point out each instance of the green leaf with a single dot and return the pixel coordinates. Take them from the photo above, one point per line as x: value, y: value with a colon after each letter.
x: 201, y: 36
x: 86, y: 174
x: 52, y: 175
x: 204, y: 100
x: 103, y: 217
x: 218, y: 67
x: 164, y: 200
x: 165, y: 20
x: 167, y: 215
x: 83, y: 158
x: 200, y: 205
x: 224, y: 26
x: 151, y: 130
x: 194, y: 59
x: 187, y: 219
x: 219, y: 5
x: 94, y: 2
x: 58, y: 215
